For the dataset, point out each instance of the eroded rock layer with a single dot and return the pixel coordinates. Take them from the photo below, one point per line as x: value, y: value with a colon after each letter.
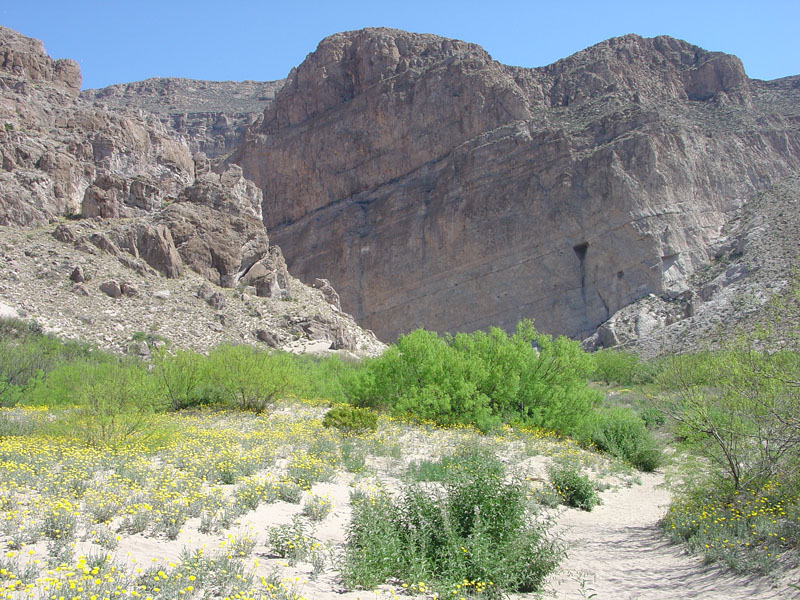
x: 436, y: 187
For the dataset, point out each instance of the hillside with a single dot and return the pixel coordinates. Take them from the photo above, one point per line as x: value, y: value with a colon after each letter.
x: 435, y: 187
x: 111, y: 230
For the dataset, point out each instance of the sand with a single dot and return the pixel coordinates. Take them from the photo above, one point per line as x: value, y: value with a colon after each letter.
x: 618, y: 552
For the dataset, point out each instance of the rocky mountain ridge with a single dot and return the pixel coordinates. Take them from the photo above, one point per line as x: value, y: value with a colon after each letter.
x: 755, y: 262
x: 114, y: 193
x: 210, y: 115
x: 436, y: 187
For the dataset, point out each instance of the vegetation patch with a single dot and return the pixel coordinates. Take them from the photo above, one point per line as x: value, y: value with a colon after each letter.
x: 573, y: 487
x: 749, y: 531
x: 622, y: 433
x: 351, y: 419
x: 471, y: 536
x: 481, y: 378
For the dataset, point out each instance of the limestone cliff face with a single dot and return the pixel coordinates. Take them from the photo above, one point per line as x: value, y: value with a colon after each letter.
x: 436, y: 187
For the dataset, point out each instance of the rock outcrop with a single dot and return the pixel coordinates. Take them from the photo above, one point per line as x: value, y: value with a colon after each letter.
x: 755, y: 260
x: 436, y: 187
x: 26, y: 60
x: 148, y: 221
x: 61, y: 155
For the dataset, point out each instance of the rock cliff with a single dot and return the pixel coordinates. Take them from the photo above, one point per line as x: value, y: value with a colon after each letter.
x: 110, y: 227
x: 210, y: 115
x: 436, y: 187
x: 753, y: 265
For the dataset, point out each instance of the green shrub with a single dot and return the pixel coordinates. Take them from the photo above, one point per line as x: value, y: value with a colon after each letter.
x: 294, y: 541
x: 423, y: 375
x: 350, y: 419
x: 613, y: 365
x: 248, y: 378
x: 475, y: 529
x: 326, y: 378
x: 481, y: 379
x: 27, y: 357
x: 468, y: 462
x: 651, y: 415
x: 113, y: 403
x: 289, y: 491
x: 183, y: 375
x: 739, y: 409
x: 574, y: 488
x: 623, y: 434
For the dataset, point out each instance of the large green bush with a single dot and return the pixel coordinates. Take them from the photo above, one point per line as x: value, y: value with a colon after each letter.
x: 248, y: 378
x: 740, y: 409
x: 27, y: 356
x: 482, y: 378
x: 113, y: 404
x: 185, y: 378
x: 426, y: 376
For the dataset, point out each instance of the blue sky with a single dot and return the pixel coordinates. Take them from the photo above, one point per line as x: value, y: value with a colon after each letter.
x: 121, y: 41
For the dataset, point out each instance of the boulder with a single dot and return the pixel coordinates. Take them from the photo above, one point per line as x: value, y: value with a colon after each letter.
x: 111, y: 288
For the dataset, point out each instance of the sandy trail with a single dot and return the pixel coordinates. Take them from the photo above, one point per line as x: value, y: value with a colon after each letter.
x: 619, y: 553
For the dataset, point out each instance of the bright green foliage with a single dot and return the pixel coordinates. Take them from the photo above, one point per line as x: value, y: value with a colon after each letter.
x: 350, y: 419
x: 425, y: 376
x: 115, y: 403
x: 326, y: 378
x: 622, y: 367
x: 482, y: 379
x: 574, y: 488
x: 623, y: 434
x: 473, y: 537
x: 27, y: 356
x: 250, y: 379
x: 184, y: 377
x: 739, y: 408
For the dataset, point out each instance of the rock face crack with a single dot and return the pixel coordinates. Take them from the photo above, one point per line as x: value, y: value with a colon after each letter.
x: 580, y: 251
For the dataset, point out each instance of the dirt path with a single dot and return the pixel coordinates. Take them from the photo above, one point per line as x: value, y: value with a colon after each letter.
x: 619, y: 553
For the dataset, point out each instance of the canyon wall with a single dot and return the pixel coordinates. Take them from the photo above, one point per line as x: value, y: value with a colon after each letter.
x: 436, y: 187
